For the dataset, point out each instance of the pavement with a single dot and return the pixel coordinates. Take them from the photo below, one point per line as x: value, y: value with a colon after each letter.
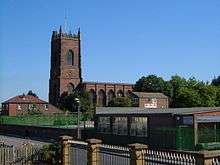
x: 18, y: 142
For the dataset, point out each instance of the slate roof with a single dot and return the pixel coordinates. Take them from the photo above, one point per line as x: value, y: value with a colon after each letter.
x: 149, y: 95
x: 25, y: 99
x: 144, y: 111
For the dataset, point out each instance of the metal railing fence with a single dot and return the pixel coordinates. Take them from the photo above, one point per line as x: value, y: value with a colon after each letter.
x: 156, y: 157
x: 111, y: 155
x: 9, y: 155
x: 93, y: 152
x: 78, y: 152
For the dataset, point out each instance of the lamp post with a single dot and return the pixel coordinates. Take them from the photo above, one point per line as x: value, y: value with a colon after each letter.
x: 78, y: 116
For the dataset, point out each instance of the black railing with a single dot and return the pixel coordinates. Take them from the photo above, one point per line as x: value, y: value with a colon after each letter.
x: 78, y: 154
x: 155, y: 157
x: 112, y: 155
x: 9, y: 155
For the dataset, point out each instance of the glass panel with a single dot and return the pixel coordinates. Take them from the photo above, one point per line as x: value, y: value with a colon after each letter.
x: 120, y: 126
x: 138, y: 126
x: 104, y: 124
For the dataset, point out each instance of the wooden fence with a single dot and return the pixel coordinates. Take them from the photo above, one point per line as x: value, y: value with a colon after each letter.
x: 93, y: 152
x: 24, y: 155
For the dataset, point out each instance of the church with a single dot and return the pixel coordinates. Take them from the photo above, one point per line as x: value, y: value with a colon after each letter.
x: 66, y: 76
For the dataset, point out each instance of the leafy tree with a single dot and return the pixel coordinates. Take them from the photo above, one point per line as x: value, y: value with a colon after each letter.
x: 187, y: 97
x: 51, y: 153
x: 183, y: 92
x: 85, y: 102
x: 218, y: 97
x: 151, y: 83
x: 192, y: 82
x: 168, y: 89
x: 208, y: 94
x: 216, y: 81
x: 176, y: 82
x: 120, y: 102
x: 68, y: 102
x: 30, y: 92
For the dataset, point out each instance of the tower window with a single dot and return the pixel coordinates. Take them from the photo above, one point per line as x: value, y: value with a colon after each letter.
x: 70, y: 57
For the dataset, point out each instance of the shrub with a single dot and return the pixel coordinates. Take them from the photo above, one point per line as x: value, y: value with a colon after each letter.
x: 51, y: 154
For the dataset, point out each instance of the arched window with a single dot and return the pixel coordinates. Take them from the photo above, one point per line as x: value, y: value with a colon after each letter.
x: 70, y: 57
x: 111, y: 95
x: 93, y: 97
x: 101, y: 98
x: 120, y: 93
x: 70, y: 88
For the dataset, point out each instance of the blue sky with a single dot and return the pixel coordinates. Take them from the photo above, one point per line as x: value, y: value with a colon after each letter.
x: 122, y: 40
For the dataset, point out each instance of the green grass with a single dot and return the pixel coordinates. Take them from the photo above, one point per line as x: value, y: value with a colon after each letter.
x: 42, y: 120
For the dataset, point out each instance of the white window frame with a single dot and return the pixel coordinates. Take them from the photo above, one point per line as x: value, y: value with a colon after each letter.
x: 18, y: 106
x: 46, y: 107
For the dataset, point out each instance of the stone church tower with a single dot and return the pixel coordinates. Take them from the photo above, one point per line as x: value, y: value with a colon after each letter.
x: 65, y: 71
x: 65, y: 76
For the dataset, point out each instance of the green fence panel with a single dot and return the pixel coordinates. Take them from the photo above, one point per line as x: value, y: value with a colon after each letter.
x: 42, y: 119
x: 184, y: 138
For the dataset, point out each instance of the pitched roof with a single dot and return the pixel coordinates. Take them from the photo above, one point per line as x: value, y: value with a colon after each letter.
x: 25, y: 99
x: 149, y: 95
x: 145, y: 111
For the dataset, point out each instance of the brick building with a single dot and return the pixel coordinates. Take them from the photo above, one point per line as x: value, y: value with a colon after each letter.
x: 24, y: 104
x: 150, y: 100
x: 171, y: 128
x: 66, y: 76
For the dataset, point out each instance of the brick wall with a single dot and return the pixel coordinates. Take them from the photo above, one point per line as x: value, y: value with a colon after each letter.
x: 43, y: 133
x: 15, y: 109
x: 161, y: 102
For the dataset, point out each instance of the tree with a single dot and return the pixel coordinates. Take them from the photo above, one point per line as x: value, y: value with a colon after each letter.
x: 216, y: 81
x: 68, y: 102
x: 186, y: 97
x: 85, y: 102
x: 151, y: 83
x: 176, y: 83
x: 218, y: 97
x: 183, y: 92
x: 120, y: 102
x: 208, y: 94
x: 30, y: 92
x: 168, y: 89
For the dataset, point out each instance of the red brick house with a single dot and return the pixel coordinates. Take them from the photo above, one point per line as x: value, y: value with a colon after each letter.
x: 150, y: 100
x: 23, y: 104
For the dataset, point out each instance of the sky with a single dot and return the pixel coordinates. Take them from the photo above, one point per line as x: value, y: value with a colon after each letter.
x: 122, y: 40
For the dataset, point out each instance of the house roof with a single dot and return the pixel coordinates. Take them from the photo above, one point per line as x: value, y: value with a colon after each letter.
x: 145, y: 111
x: 25, y: 99
x: 149, y: 95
